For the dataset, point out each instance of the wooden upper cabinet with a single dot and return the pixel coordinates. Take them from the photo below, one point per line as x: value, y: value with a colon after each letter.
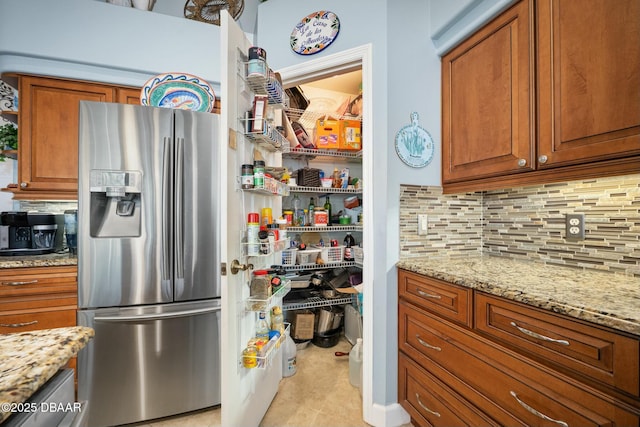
x: 487, y: 100
x: 520, y: 109
x: 588, y: 80
x: 48, y: 145
x: 128, y: 96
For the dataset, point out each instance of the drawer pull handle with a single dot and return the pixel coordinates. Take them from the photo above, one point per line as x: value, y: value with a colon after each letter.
x: 426, y: 344
x: 426, y: 295
x: 537, y: 413
x: 437, y: 414
x: 18, y: 325
x: 28, y: 282
x: 538, y: 336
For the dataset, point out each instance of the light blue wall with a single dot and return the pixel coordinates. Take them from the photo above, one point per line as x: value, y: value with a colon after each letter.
x: 406, y: 78
x: 98, y: 41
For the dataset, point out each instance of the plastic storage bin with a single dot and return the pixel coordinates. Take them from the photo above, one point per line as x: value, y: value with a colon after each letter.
x: 307, y: 256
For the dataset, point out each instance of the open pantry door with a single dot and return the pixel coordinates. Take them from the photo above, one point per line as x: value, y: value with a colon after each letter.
x: 246, y: 393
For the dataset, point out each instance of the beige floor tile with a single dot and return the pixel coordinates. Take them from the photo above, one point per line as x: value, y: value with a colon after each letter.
x: 318, y: 395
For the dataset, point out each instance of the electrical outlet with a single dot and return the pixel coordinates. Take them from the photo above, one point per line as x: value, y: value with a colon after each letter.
x: 423, y: 224
x: 574, y: 224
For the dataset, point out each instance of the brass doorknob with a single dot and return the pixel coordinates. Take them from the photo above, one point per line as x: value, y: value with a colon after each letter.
x: 236, y: 266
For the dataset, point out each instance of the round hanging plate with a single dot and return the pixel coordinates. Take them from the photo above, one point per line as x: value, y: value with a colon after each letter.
x: 315, y: 32
x: 414, y: 145
x: 209, y: 10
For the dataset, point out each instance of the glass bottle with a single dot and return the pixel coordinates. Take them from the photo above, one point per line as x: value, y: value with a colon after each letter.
x: 262, y: 326
x: 297, y: 211
x: 327, y: 207
x: 312, y: 206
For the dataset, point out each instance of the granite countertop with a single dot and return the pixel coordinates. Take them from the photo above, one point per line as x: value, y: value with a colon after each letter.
x: 49, y: 260
x: 30, y: 359
x: 602, y: 298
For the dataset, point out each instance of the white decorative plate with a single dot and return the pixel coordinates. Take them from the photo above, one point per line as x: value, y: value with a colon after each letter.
x: 315, y: 32
x: 414, y: 145
x: 178, y: 90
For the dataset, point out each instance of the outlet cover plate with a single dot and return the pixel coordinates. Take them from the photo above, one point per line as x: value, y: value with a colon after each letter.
x: 574, y: 226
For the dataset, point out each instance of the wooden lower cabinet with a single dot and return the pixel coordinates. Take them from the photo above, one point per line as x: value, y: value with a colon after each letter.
x: 466, y: 378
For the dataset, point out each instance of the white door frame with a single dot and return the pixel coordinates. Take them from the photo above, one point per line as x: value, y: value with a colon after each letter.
x: 323, y: 67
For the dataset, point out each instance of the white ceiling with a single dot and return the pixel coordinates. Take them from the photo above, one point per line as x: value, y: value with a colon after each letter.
x: 346, y: 83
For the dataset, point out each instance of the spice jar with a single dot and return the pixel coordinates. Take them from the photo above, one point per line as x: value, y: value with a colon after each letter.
x: 246, y: 176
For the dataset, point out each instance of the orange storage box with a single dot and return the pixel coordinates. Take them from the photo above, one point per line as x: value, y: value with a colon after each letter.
x: 350, y: 135
x: 327, y: 134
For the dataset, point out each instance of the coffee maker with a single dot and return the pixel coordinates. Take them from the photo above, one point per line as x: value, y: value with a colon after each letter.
x: 30, y: 233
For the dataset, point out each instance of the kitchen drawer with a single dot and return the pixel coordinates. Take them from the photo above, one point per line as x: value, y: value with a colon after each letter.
x: 499, y: 381
x: 565, y: 343
x: 31, y: 321
x: 449, y: 301
x: 38, y: 281
x: 432, y: 403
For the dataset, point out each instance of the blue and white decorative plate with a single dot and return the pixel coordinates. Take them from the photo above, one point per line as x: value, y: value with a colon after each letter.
x: 414, y: 144
x: 178, y: 90
x: 315, y: 32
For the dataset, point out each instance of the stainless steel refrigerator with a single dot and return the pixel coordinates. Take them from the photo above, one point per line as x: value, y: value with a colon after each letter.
x: 148, y: 262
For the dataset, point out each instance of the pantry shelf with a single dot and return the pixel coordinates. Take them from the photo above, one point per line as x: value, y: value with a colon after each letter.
x: 311, y: 267
x: 314, y: 302
x: 328, y: 190
x: 327, y: 229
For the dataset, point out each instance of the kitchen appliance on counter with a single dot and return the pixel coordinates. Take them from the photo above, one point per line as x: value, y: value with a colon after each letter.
x: 148, y: 262
x: 30, y: 233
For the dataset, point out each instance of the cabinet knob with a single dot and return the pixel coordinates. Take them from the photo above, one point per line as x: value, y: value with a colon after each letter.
x: 24, y: 184
x: 522, y: 163
x: 543, y: 159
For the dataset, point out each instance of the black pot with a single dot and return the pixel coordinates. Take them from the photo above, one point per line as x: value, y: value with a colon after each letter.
x: 327, y: 339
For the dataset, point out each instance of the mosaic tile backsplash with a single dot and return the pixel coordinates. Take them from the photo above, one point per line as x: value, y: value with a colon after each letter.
x: 529, y: 223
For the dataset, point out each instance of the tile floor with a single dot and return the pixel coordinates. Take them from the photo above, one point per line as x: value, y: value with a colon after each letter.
x: 318, y: 395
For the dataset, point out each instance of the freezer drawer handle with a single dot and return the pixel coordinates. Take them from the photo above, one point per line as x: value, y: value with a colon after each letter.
x: 156, y: 316
x: 18, y: 325
x: 426, y: 344
x: 535, y: 412
x: 437, y: 414
x: 28, y: 282
x: 538, y: 336
x: 426, y: 295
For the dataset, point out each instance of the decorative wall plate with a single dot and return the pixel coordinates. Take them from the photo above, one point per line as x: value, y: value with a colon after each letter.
x: 315, y: 32
x: 209, y: 10
x: 414, y: 145
x: 178, y: 90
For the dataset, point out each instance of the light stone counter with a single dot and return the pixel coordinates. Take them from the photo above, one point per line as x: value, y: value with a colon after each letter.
x: 49, y: 260
x: 30, y: 359
x: 602, y: 298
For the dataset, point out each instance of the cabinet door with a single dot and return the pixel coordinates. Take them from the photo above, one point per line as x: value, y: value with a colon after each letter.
x: 588, y: 80
x: 127, y: 95
x: 48, y: 148
x: 487, y: 100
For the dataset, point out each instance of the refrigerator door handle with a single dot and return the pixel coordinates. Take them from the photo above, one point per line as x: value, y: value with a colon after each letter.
x: 166, y: 208
x: 179, y: 214
x: 156, y: 316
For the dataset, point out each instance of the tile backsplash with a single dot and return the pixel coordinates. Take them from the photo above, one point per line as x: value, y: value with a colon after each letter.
x: 529, y: 223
